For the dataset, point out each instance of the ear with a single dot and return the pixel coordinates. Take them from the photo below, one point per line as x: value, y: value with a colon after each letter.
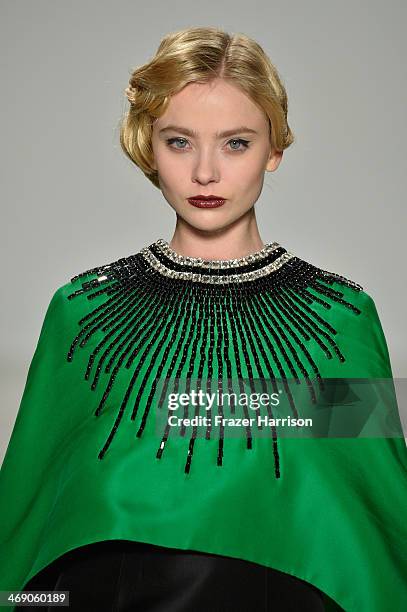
x: 274, y: 160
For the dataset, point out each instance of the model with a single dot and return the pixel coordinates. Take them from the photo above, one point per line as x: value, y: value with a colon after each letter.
x: 109, y: 488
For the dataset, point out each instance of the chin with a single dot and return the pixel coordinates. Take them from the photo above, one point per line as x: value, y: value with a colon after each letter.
x: 209, y: 227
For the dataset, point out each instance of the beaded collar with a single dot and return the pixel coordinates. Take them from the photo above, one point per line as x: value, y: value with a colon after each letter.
x: 218, y: 271
x: 161, y: 258
x: 205, y: 312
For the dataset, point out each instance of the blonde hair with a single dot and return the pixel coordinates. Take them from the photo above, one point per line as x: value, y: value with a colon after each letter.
x: 199, y: 55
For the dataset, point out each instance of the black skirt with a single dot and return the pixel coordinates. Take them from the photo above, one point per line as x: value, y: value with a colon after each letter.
x: 124, y: 576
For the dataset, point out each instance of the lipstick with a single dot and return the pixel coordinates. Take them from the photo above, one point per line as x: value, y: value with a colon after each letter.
x: 211, y: 201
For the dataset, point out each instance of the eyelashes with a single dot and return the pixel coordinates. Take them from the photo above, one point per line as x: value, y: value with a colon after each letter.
x: 245, y: 143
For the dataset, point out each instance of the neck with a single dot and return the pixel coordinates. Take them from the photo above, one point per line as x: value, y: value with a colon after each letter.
x: 233, y: 242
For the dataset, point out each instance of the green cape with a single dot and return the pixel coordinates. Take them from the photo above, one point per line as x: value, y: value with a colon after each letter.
x: 335, y: 517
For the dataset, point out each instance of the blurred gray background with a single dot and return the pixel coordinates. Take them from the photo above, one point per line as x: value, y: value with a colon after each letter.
x: 71, y: 200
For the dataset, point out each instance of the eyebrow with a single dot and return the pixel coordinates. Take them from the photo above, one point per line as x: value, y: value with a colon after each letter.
x: 182, y: 130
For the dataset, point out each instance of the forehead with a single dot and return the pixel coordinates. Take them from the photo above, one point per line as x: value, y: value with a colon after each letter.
x: 218, y: 103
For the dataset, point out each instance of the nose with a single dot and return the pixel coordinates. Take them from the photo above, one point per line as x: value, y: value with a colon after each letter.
x: 206, y: 169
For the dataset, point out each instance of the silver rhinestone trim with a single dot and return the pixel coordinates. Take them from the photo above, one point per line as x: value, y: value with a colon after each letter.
x: 214, y: 264
x: 214, y: 279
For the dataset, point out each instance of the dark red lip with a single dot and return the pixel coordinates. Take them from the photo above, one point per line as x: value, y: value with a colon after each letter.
x: 206, y: 197
x: 206, y: 201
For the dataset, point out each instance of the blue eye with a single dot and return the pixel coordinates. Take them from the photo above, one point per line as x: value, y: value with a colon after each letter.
x: 181, y: 140
x: 171, y: 140
x: 245, y: 143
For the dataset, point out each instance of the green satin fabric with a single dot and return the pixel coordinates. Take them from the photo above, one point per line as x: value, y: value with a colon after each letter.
x: 336, y: 517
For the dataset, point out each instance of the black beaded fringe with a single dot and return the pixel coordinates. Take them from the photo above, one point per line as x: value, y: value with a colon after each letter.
x: 144, y: 302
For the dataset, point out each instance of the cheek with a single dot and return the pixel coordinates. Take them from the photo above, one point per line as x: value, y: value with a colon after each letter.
x: 169, y: 163
x: 248, y: 168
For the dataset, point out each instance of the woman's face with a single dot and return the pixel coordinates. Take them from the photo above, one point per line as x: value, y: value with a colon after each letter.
x: 194, y: 158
